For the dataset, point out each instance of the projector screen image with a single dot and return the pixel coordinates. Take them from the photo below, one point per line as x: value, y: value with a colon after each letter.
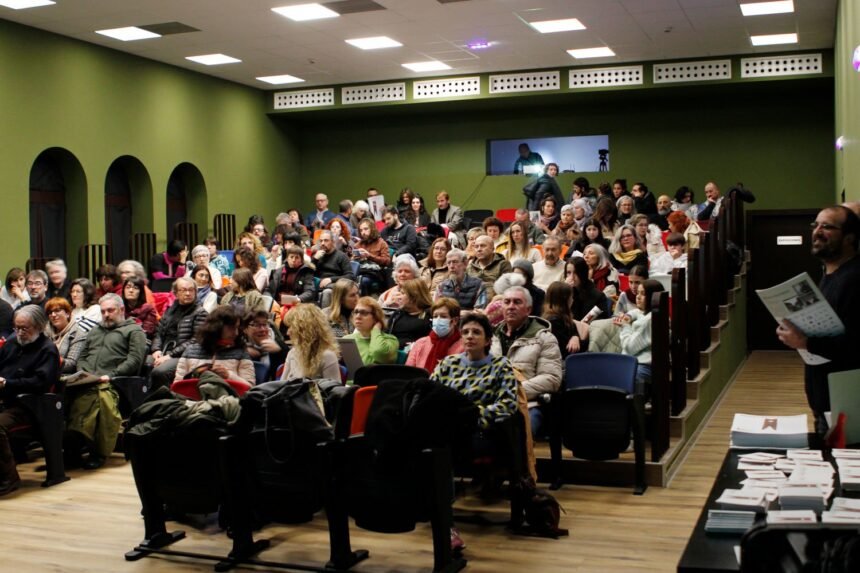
x: 584, y: 153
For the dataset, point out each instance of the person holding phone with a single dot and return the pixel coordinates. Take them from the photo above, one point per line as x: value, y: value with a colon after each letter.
x: 293, y: 282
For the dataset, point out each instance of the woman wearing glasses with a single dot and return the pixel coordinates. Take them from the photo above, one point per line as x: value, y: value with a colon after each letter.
x: 374, y: 345
x: 626, y: 250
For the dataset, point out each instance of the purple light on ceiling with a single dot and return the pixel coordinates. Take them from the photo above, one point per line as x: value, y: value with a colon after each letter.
x: 478, y: 45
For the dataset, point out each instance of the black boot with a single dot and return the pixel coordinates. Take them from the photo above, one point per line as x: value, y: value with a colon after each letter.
x: 9, y: 478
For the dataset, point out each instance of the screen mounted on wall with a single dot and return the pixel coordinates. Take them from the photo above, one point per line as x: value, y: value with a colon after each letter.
x: 583, y: 153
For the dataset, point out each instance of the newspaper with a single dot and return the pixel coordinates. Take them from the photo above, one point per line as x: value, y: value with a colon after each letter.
x: 799, y: 301
x: 377, y: 207
x: 81, y: 378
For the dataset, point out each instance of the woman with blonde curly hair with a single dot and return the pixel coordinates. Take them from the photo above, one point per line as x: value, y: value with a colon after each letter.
x: 252, y: 242
x: 314, y: 352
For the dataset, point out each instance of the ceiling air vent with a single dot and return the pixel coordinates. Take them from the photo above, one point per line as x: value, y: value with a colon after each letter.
x: 526, y: 82
x: 353, y: 6
x: 605, y: 77
x: 305, y: 98
x: 693, y: 71
x: 449, y: 87
x: 372, y: 94
x: 783, y: 65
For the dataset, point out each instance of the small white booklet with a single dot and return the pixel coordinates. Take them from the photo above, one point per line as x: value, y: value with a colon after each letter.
x: 791, y: 516
x: 799, y: 301
x: 763, y: 432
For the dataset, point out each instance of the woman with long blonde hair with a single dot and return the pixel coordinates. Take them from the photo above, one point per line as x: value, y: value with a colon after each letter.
x: 314, y: 353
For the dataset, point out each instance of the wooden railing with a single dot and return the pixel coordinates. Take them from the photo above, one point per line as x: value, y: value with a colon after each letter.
x: 224, y: 227
x: 91, y: 257
x: 142, y: 247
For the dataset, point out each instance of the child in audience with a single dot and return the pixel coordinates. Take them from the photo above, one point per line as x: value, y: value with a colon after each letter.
x: 674, y: 258
x: 635, y: 333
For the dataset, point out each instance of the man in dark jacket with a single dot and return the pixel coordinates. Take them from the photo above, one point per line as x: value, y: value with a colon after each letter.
x: 175, y: 332
x: 294, y: 279
x: 400, y: 236
x: 543, y: 186
x: 468, y: 291
x: 29, y: 364
x: 59, y: 283
x: 487, y: 265
x: 643, y: 199
x: 835, y: 236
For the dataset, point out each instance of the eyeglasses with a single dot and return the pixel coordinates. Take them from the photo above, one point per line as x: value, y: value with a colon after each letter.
x: 362, y: 312
x: 17, y: 328
x: 187, y: 290
x: 259, y: 325
x: 813, y: 225
x: 34, y: 283
x: 55, y: 311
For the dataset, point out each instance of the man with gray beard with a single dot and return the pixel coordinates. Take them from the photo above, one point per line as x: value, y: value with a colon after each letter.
x: 29, y: 364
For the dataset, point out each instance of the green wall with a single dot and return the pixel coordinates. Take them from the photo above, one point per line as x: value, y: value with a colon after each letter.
x: 99, y: 104
x: 847, y: 100
x: 774, y: 136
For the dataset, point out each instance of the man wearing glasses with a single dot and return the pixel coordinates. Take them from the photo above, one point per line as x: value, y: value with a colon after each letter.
x: 835, y: 235
x: 175, y: 332
x: 29, y: 364
x: 37, y: 288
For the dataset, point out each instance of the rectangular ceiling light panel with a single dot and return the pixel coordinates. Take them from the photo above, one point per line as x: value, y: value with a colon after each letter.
x: 280, y: 80
x: 774, y: 39
x: 603, y: 52
x: 305, y: 12
x: 551, y: 26
x: 374, y: 43
x: 128, y: 34
x: 213, y: 59
x: 22, y: 4
x: 764, y: 8
x: 431, y: 66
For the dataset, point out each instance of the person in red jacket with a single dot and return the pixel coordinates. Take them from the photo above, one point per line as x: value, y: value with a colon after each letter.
x: 444, y: 338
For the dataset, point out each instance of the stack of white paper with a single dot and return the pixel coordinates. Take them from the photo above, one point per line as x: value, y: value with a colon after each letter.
x: 843, y: 511
x: 849, y: 468
x: 769, y: 432
x: 791, y: 517
x: 758, y: 460
x: 749, y: 499
x: 723, y: 521
x: 802, y: 496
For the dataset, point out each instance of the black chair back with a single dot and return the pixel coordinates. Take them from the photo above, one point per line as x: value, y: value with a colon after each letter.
x: 595, y: 422
x: 371, y: 374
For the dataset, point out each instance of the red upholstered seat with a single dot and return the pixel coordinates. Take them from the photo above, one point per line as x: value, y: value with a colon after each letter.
x: 360, y: 408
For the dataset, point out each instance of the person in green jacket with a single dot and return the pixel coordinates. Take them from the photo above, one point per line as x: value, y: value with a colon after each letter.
x: 116, y: 347
x: 374, y: 346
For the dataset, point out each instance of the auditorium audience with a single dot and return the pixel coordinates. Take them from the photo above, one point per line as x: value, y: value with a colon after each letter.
x: 411, y: 319
x: 85, y: 309
x: 37, y: 287
x: 107, y: 280
x: 581, y: 189
x: 169, y: 264
x: 340, y: 235
x: 218, y: 347
x: 494, y: 229
x: 243, y: 294
x: 29, y: 364
x: 627, y: 299
x: 566, y: 224
x: 200, y: 256
x: 587, y: 296
x: 244, y: 258
x: 115, y: 347
x: 136, y: 307
x: 263, y: 343
x: 469, y: 292
x: 526, y: 270
x: 551, y: 268
x: 59, y: 282
x: 528, y: 343
x: 635, y: 332
x: 626, y: 208
x: 416, y: 215
x: 176, y: 330
x: 664, y: 207
x: 549, y: 215
x: 294, y: 281
x: 14, y: 289
x: 543, y: 186
x: 571, y: 334
x: 643, y: 199
x: 444, y: 338
x: 581, y: 212
x: 331, y: 263
x: 206, y: 287
x: 487, y: 264
x: 680, y: 222
x: 649, y: 235
x: 534, y: 235
x: 344, y: 297
x: 434, y: 267
x: 321, y: 215
x: 314, y: 352
x: 374, y: 345
x: 626, y: 250
x: 675, y: 257
x: 373, y: 256
x: 400, y: 236
x: 405, y: 268
x: 713, y: 201
x: 216, y: 259
x: 132, y: 268
x: 600, y: 270
x: 592, y: 232
x: 450, y: 217
x: 67, y: 334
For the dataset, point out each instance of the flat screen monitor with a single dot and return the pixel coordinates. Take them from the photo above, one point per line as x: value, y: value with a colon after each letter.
x: 575, y: 154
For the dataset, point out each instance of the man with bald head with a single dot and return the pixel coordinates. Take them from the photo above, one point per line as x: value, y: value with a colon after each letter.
x: 835, y: 236
x: 711, y: 207
x: 664, y: 207
x: 318, y: 218
x: 487, y: 264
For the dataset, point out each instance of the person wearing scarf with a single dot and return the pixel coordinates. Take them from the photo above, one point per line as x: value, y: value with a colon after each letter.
x: 444, y: 338
x: 626, y: 250
x: 581, y: 212
x: 66, y: 334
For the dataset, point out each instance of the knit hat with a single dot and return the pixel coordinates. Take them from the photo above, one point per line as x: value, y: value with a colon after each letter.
x: 495, y: 312
x: 525, y: 266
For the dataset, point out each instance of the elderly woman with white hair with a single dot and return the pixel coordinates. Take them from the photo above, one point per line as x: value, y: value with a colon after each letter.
x: 131, y: 268
x: 581, y: 211
x: 200, y: 256
x: 626, y: 208
x: 360, y: 210
x: 626, y: 250
x: 404, y: 268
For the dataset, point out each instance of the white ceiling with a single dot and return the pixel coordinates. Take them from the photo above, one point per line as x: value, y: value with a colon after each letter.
x: 269, y: 44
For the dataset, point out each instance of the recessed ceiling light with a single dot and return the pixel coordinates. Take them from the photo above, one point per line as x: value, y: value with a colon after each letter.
x: 550, y: 26
x: 479, y: 45
x: 374, y: 43
x: 773, y: 39
x: 431, y: 66
x: 128, y: 34
x: 603, y: 52
x: 21, y: 4
x: 213, y: 59
x: 279, y: 80
x: 762, y: 8
x: 304, y: 12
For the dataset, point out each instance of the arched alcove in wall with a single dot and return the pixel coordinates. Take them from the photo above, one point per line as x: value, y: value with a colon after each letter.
x: 186, y: 199
x: 58, y: 204
x: 128, y: 204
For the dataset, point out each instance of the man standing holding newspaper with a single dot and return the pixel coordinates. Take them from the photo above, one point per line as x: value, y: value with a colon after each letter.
x: 835, y: 235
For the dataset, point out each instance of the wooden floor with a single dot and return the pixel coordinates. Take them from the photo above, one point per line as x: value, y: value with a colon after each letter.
x: 88, y: 523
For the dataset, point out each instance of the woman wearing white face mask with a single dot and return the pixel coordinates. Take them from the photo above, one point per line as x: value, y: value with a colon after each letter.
x: 444, y: 340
